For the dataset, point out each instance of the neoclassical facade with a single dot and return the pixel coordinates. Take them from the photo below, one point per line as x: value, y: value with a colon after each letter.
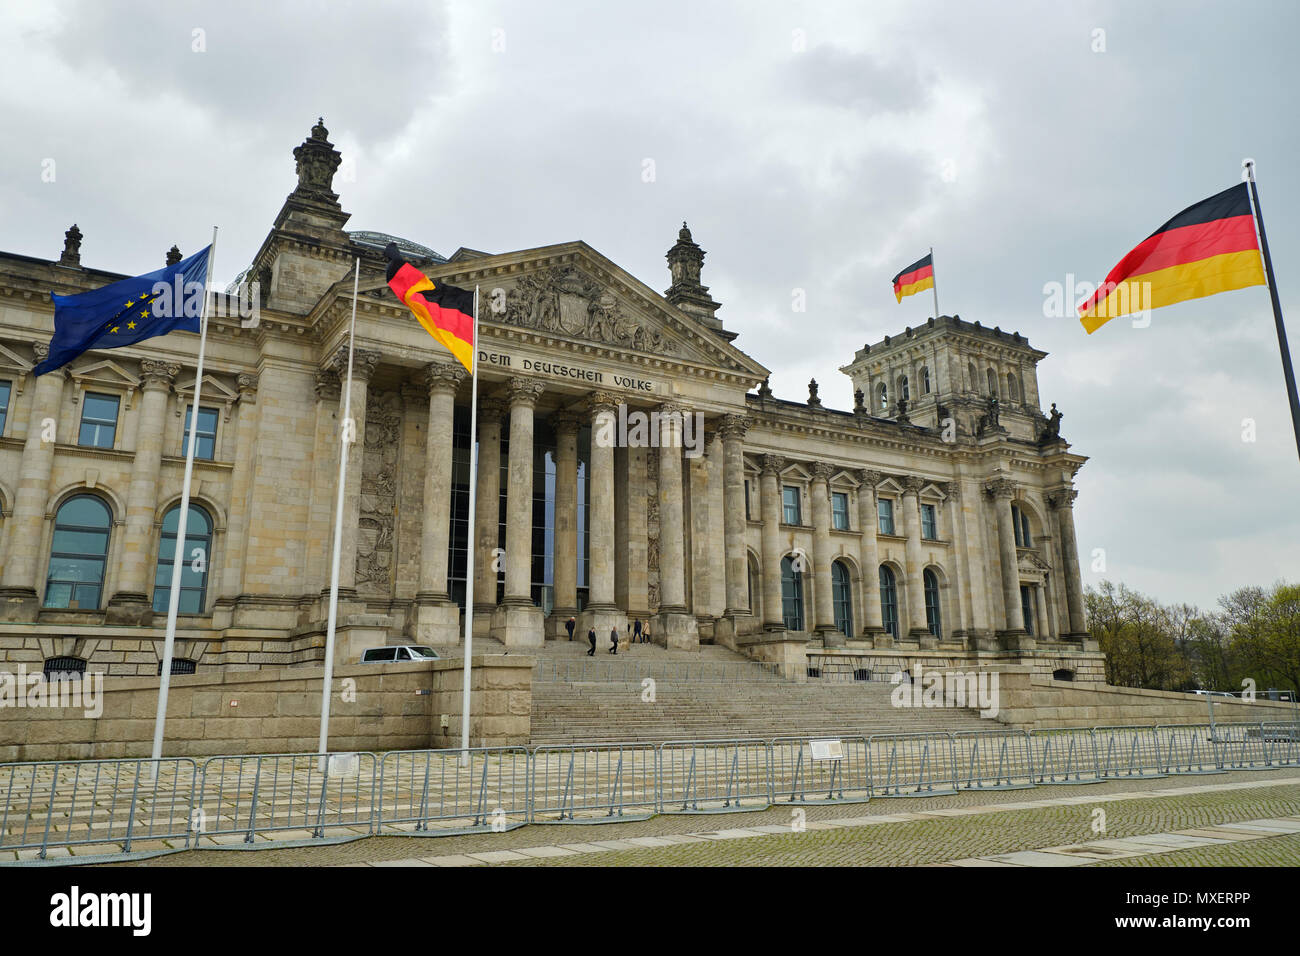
x: 633, y: 464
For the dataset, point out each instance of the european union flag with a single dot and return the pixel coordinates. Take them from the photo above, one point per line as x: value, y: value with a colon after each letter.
x: 128, y: 311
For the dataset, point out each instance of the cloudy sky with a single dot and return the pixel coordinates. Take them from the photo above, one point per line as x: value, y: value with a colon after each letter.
x: 812, y: 146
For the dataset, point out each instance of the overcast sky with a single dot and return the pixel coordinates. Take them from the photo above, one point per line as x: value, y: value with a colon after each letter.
x: 811, y: 146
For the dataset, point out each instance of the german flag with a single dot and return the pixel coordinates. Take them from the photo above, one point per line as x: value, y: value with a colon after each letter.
x: 1206, y: 248
x: 446, y: 312
x: 917, y: 277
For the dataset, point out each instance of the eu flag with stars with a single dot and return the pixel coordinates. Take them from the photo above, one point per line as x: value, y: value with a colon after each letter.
x: 128, y: 311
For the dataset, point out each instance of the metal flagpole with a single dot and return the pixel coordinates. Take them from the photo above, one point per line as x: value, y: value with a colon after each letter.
x: 1287, y: 371
x: 470, y: 542
x: 174, y: 599
x: 934, y: 284
x: 347, y: 436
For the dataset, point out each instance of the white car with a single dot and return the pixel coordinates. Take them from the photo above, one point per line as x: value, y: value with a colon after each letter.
x: 398, y: 652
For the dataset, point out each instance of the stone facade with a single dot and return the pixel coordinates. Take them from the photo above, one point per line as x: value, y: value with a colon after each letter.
x: 717, y: 512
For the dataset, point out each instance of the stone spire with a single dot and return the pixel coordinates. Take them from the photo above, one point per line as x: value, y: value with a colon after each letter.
x: 685, y: 261
x: 317, y: 161
x: 71, y: 248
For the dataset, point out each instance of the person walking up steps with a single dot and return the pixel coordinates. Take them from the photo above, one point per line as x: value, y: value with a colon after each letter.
x: 569, y: 625
x: 613, y: 640
x: 591, y: 639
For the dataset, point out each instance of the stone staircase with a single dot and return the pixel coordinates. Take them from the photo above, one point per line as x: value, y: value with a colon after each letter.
x: 572, y: 709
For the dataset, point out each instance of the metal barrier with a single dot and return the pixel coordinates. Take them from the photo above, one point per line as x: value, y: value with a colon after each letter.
x: 832, y: 769
x: 1189, y: 748
x: 1129, y: 751
x: 112, y: 804
x: 444, y: 792
x: 1066, y: 756
x: 912, y: 765
x: 714, y: 776
x: 1281, y: 742
x: 1238, y: 746
x: 300, y: 796
x: 589, y: 779
x: 992, y: 760
x: 632, y: 669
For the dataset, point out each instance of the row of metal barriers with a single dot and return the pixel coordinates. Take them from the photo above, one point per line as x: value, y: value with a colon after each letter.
x: 134, y: 807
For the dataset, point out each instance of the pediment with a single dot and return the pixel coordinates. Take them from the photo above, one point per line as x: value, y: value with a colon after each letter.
x: 105, y: 372
x: 10, y: 359
x: 214, y: 391
x: 1031, y: 563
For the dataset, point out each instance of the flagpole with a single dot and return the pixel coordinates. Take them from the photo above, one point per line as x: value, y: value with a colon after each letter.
x: 1285, y: 349
x: 174, y: 599
x: 471, y: 544
x: 934, y: 285
x: 347, y: 436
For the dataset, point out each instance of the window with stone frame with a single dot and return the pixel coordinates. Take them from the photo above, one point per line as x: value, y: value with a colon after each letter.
x: 885, y: 515
x: 790, y: 510
x: 840, y: 510
x: 98, y: 420
x: 929, y: 523
x: 5, y: 389
x: 205, y: 438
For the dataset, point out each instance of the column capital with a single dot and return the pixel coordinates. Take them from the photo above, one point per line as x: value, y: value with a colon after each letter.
x: 490, y: 410
x: 1062, y: 499
x: 597, y: 402
x: 42, y: 350
x: 1000, y: 488
x: 822, y: 471
x: 567, y: 422
x: 773, y: 464
x: 155, y: 374
x: 364, y: 363
x: 247, y: 383
x: 733, y: 427
x: 913, y: 484
x: 442, y: 376
x: 869, y: 477
x: 952, y: 489
x: 666, y: 409
x: 523, y: 392
x: 327, y: 385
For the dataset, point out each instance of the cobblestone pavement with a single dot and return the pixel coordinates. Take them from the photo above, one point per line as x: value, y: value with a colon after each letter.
x: 910, y: 842
x: 1271, y: 851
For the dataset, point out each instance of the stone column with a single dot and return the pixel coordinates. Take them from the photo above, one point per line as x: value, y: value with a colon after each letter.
x: 869, y: 555
x: 232, y: 579
x: 518, y: 622
x: 675, y: 625
x: 919, y: 631
x: 824, y: 609
x: 1001, y: 491
x: 132, y: 604
x: 601, y: 613
x: 566, y: 425
x: 437, y: 618
x: 733, y: 430
x: 957, y: 585
x: 24, y: 527
x: 487, y: 514
x: 770, y: 492
x: 364, y: 363
x: 1062, y: 502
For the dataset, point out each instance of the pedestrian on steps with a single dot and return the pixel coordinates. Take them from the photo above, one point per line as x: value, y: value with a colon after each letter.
x: 613, y: 640
x: 591, y: 639
x: 569, y: 625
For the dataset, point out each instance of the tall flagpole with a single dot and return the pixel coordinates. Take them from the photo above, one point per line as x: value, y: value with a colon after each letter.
x: 1287, y: 371
x: 934, y: 285
x: 347, y: 436
x: 178, y: 555
x: 471, y: 543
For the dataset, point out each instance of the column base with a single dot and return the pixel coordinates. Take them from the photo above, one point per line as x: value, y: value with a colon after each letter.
x: 18, y: 604
x: 602, y: 619
x: 435, y: 622
x: 881, y: 639
x: 128, y: 608
x: 676, y: 630
x: 482, y: 626
x: 1017, y: 639
x: 555, y: 629
x: 982, y: 641
x: 518, y: 625
x: 831, y: 636
x: 924, y: 639
x: 728, y: 629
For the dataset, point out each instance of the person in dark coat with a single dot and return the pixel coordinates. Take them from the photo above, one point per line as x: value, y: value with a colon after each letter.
x: 569, y: 625
x: 613, y: 640
x: 591, y: 639
x: 636, y: 631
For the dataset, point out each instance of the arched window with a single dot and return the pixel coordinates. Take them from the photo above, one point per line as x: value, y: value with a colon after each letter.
x: 79, y: 553
x: 993, y: 382
x: 888, y: 601
x: 1012, y: 392
x: 1020, y: 526
x: 842, y: 597
x: 970, y: 374
x: 903, y: 391
x: 932, y: 619
x: 925, y: 380
x: 882, y: 397
x: 791, y: 595
x: 194, y: 574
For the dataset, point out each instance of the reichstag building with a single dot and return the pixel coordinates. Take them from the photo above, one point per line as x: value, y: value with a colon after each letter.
x: 935, y: 515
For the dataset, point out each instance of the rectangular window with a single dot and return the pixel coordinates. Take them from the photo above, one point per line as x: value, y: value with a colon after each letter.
x: 747, y: 518
x: 840, y: 510
x: 5, y: 388
x: 886, y: 511
x: 790, y: 503
x: 1027, y: 607
x: 929, y: 526
x: 205, y: 443
x: 98, y: 420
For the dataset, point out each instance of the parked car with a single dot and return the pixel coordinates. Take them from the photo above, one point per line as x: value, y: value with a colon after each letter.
x: 1215, y: 693
x: 398, y: 652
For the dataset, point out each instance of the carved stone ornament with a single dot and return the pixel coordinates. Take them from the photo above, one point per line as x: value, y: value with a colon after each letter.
x: 377, y: 526
x: 1000, y: 488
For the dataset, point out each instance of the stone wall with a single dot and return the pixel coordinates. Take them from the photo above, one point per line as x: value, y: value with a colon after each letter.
x: 277, y: 710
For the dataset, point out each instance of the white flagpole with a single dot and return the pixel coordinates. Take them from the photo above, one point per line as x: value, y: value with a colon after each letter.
x: 178, y: 555
x: 346, y: 437
x: 934, y: 285
x: 470, y: 543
